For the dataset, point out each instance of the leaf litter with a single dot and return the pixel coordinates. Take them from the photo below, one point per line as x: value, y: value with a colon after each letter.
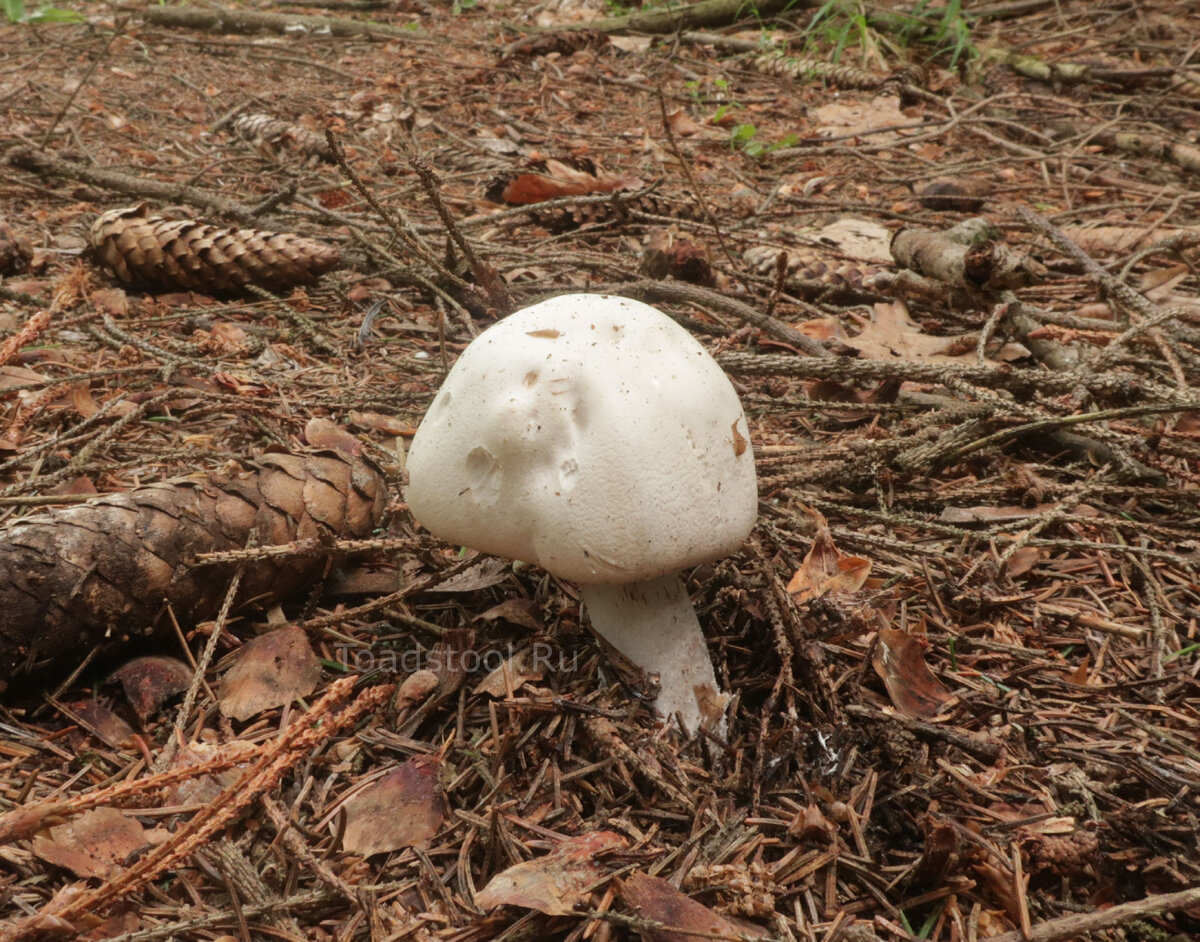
x: 974, y: 714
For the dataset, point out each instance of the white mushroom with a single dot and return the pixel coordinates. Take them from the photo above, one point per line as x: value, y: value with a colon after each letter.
x: 595, y: 437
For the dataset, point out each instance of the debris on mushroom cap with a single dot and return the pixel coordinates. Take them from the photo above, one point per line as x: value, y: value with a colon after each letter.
x: 591, y: 435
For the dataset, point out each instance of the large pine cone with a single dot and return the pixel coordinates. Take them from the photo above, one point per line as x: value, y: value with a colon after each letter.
x: 194, y: 256
x: 105, y: 572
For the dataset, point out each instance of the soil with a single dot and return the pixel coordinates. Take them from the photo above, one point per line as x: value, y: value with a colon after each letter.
x: 962, y: 642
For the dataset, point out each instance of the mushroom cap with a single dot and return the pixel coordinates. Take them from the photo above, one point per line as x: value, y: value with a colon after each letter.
x: 591, y: 435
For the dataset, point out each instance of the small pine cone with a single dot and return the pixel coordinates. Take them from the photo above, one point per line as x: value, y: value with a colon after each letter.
x: 194, y: 256
x: 273, y: 133
x: 569, y: 218
x: 668, y: 256
x: 806, y: 265
x: 16, y: 251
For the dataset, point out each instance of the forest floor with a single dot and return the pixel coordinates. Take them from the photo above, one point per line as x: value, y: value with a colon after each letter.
x: 962, y: 642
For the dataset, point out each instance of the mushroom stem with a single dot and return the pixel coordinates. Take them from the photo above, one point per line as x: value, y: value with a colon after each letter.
x: 654, y: 625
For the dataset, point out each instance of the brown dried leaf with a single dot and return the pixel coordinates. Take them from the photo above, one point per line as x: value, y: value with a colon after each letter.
x: 899, y: 660
x: 150, y: 681
x: 377, y: 421
x: 405, y: 808
x: 1022, y: 560
x: 863, y: 239
x: 77, y: 486
x: 1004, y: 886
x: 682, y: 124
x: 1079, y: 676
x: 826, y: 569
x: 484, y: 574
x: 561, y: 179
x: 223, y: 340
x: 203, y: 789
x: 940, y: 855
x: 810, y: 824
x: 97, y: 844
x: 523, y: 612
x: 112, y: 301
x: 272, y: 670
x: 554, y: 883
x: 102, y: 721
x: 847, y: 117
x: 1158, y: 283
x: 323, y: 433
x: 823, y: 328
x: 18, y: 376
x: 683, y: 919
x: 893, y: 335
x: 517, y: 670
x: 82, y: 402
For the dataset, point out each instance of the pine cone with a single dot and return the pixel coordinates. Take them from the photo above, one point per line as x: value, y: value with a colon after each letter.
x: 270, y: 132
x: 102, y: 572
x: 194, y: 256
x: 565, y: 44
x: 805, y: 265
x: 843, y: 76
x: 16, y: 251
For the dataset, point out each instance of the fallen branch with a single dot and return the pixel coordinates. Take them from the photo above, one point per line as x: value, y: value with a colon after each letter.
x: 44, y: 164
x: 1077, y: 925
x: 245, y: 21
x: 987, y: 265
x: 1018, y: 381
x: 674, y: 292
x: 692, y: 16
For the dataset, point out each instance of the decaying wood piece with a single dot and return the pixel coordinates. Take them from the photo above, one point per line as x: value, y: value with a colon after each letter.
x: 252, y: 21
x: 186, y: 254
x: 275, y: 134
x: 987, y: 265
x: 1151, y: 145
x: 105, y: 571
